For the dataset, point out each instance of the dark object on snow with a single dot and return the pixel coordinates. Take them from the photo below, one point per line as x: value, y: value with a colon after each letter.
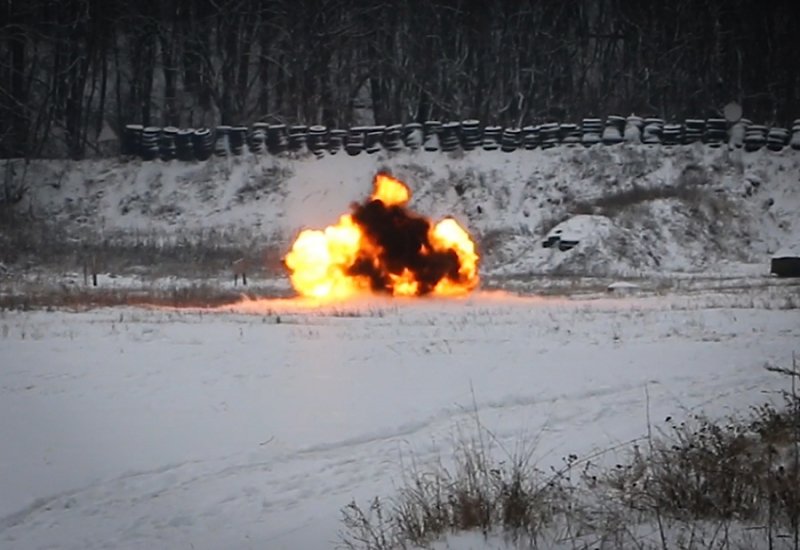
x: 549, y: 242
x: 554, y: 240
x: 563, y: 245
x: 785, y: 266
x: 239, y: 268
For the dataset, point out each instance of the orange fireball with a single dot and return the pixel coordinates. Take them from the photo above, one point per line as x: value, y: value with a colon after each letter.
x: 381, y: 247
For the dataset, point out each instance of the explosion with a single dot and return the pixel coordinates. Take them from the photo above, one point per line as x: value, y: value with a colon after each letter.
x: 382, y: 247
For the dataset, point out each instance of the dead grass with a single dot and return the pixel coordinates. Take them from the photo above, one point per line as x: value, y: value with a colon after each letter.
x: 687, y: 189
x: 197, y: 295
x: 698, y: 484
x: 691, y: 187
x: 37, y: 244
x: 473, y: 492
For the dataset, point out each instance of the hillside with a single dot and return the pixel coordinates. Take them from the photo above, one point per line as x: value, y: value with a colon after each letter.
x: 635, y: 211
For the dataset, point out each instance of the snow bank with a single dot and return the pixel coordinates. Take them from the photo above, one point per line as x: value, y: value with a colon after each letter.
x: 697, y: 210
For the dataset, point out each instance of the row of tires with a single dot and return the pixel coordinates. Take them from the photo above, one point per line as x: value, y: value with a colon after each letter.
x: 150, y: 143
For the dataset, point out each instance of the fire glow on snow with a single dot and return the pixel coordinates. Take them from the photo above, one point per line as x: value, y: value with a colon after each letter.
x: 381, y: 247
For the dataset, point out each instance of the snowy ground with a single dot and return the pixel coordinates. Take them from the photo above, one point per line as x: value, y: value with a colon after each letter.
x: 251, y: 426
x: 636, y: 210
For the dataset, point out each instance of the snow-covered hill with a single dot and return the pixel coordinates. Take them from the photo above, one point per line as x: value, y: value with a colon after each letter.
x: 640, y: 209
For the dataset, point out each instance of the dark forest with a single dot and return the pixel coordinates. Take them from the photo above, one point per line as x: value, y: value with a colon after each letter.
x: 72, y: 69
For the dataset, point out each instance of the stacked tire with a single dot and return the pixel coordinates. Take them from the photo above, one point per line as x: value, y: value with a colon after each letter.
x: 318, y: 139
x: 237, y: 139
x: 431, y: 131
x: 150, y: 145
x: 633, y: 129
x: 184, y: 148
x: 653, y: 131
x: 203, y: 143
x: 470, y: 134
x: 795, y: 141
x: 716, y: 132
x: 755, y: 138
x: 277, y: 139
x: 132, y: 140
x: 672, y: 134
x: 413, y: 135
x: 548, y: 134
x: 510, y: 140
x: 221, y: 141
x: 449, y: 139
x: 167, y: 148
x: 491, y: 138
x: 257, y: 140
x: 613, y: 131
x: 336, y: 141
x: 694, y: 129
x: 530, y: 137
x: 591, y: 131
x: 393, y: 138
x: 777, y: 138
x: 355, y: 140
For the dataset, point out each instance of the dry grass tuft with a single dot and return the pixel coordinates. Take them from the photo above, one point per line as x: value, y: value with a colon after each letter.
x: 699, y: 484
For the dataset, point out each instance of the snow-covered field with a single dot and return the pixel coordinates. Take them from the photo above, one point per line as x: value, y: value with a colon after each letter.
x: 252, y: 425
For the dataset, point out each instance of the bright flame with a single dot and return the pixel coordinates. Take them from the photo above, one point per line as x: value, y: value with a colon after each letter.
x: 390, y: 191
x: 318, y: 260
x: 351, y: 257
x: 447, y: 234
